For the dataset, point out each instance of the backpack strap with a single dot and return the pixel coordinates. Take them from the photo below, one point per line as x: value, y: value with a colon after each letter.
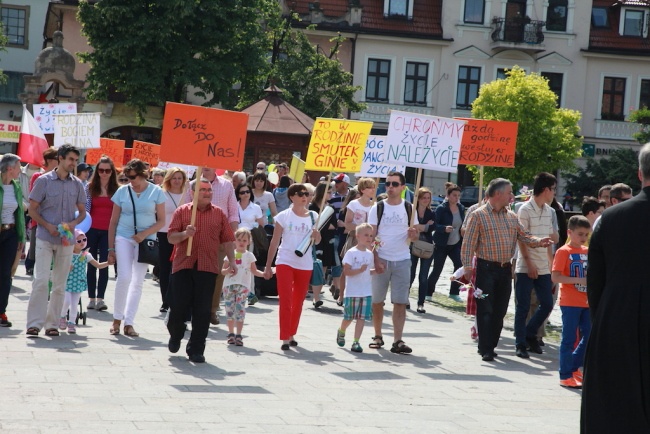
x: 380, y: 211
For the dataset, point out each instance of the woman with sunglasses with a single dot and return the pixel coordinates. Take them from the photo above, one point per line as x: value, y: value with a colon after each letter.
x: 250, y: 214
x: 99, y: 191
x: 293, y: 272
x: 123, y: 241
x: 261, y: 196
x: 173, y: 185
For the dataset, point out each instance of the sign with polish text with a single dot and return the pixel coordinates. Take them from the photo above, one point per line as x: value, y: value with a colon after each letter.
x: 147, y: 152
x: 80, y: 130
x: 202, y: 136
x: 373, y: 165
x: 112, y: 148
x: 426, y: 142
x: 337, y: 145
x: 44, y: 114
x: 489, y: 143
x: 9, y: 131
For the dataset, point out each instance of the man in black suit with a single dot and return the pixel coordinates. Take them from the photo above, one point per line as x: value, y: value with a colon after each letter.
x: 616, y: 388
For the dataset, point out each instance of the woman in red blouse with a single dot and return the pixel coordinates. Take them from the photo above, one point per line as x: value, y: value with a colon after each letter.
x: 100, y: 207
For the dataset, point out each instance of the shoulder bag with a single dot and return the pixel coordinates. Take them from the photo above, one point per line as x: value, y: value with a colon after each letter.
x: 148, y: 252
x: 317, y: 275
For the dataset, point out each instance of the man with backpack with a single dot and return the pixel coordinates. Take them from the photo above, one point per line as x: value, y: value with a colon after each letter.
x: 391, y: 220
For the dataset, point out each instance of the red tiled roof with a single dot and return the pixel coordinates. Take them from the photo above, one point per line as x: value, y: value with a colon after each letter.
x: 426, y: 22
x: 275, y: 115
x: 609, y: 39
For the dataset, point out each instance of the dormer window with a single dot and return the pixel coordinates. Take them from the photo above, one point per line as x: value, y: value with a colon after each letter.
x: 599, y: 18
x: 633, y: 22
x: 398, y: 9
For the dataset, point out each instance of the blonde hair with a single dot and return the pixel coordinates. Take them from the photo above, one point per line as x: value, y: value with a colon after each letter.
x: 243, y: 231
x: 364, y: 183
x: 167, y: 181
x: 361, y: 227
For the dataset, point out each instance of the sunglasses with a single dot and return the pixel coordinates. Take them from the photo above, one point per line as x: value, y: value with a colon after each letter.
x: 392, y: 184
x: 260, y: 168
x: 245, y: 192
x: 123, y: 180
x: 106, y: 171
x: 621, y: 199
x: 81, y: 240
x: 131, y: 177
x: 302, y: 194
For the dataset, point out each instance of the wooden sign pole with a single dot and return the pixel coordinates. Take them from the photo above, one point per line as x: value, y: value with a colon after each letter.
x: 480, y: 184
x: 197, y: 187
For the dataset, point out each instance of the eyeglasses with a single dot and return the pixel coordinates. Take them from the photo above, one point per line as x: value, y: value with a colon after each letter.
x: 245, y: 192
x: 392, y: 184
x: 302, y: 194
x: 205, y: 190
x: 82, y: 240
x: 553, y: 188
x: 106, y: 171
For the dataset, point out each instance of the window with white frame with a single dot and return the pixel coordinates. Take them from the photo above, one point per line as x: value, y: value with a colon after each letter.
x: 613, y: 102
x: 378, y: 80
x: 474, y: 11
x: 644, y: 94
x: 14, y: 24
x: 469, y: 81
x: 555, y: 81
x: 632, y: 22
x: 416, y: 83
x: 556, y: 15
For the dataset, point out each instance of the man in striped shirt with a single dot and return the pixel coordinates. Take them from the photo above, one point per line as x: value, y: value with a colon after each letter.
x: 492, y: 232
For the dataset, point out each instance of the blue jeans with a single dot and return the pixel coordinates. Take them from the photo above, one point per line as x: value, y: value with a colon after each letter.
x: 543, y: 287
x: 423, y: 286
x: 496, y: 283
x: 573, y: 319
x: 440, y: 254
x: 98, y: 247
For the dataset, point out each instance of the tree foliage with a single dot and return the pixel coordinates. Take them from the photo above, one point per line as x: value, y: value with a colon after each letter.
x: 641, y: 117
x: 548, y: 138
x: 620, y: 166
x: 312, y: 80
x: 151, y: 51
x: 3, y: 44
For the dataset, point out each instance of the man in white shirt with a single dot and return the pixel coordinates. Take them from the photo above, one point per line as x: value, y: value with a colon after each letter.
x: 390, y: 220
x: 533, y: 265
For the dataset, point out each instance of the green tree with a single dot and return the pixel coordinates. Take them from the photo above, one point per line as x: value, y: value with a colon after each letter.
x: 641, y: 117
x: 152, y: 51
x: 3, y: 44
x: 615, y: 168
x: 312, y: 80
x: 548, y: 137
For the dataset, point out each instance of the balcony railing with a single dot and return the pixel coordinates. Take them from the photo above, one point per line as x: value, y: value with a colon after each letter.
x: 517, y: 30
x: 377, y: 112
x: 616, y: 130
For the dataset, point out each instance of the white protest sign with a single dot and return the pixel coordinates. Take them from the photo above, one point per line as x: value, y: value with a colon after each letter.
x: 373, y: 164
x: 80, y: 130
x: 189, y: 170
x: 44, y: 114
x: 427, y: 142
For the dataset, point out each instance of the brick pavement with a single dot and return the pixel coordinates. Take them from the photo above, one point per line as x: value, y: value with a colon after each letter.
x: 94, y: 381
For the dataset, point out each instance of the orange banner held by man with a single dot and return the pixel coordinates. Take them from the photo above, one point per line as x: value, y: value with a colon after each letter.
x: 488, y: 143
x: 147, y: 152
x: 202, y: 136
x: 112, y: 148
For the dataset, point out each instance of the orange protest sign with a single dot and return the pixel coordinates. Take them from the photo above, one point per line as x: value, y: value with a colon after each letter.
x: 111, y: 148
x: 147, y: 152
x: 488, y: 143
x: 202, y: 136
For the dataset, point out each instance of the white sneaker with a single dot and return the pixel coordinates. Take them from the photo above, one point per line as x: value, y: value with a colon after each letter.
x: 101, y: 306
x: 91, y: 305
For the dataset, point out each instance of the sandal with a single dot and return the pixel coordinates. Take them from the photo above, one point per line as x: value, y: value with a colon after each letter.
x: 130, y: 331
x: 33, y: 331
x: 51, y: 332
x: 231, y: 339
x: 239, y: 341
x: 400, y: 347
x: 115, y: 328
x: 377, y: 342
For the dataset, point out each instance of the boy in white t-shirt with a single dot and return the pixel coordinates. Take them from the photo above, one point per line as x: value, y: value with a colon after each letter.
x: 357, y: 302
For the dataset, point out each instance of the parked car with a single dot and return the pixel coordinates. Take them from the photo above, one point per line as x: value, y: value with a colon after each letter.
x: 469, y: 196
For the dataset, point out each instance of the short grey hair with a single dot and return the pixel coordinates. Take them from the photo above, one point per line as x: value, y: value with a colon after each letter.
x: 497, y: 184
x: 199, y: 181
x: 644, y: 161
x: 239, y: 175
x: 8, y: 161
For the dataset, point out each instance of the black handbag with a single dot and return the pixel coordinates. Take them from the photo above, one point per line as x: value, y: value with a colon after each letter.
x: 148, y: 250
